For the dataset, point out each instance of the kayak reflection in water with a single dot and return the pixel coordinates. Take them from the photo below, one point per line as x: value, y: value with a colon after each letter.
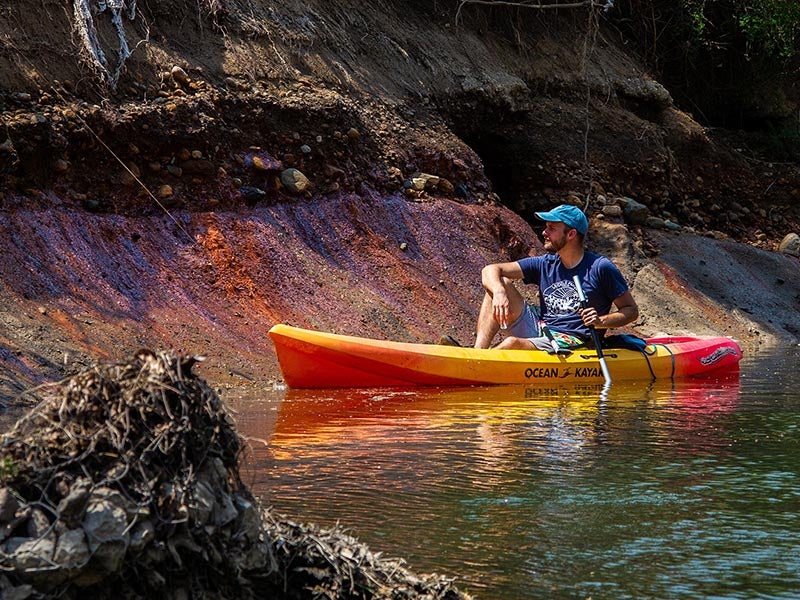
x: 562, y: 323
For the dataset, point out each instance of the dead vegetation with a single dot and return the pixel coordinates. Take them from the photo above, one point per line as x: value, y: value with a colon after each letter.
x: 124, y: 482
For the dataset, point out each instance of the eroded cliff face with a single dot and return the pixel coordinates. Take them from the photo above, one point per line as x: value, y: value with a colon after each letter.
x: 166, y: 213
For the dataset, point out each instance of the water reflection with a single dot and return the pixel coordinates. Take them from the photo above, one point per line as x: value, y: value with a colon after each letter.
x: 559, y: 421
x: 524, y: 492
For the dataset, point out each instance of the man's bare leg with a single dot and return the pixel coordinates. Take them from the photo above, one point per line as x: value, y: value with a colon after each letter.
x: 487, y: 325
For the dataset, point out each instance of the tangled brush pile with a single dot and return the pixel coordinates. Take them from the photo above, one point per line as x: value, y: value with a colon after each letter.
x: 127, y: 479
x: 124, y: 483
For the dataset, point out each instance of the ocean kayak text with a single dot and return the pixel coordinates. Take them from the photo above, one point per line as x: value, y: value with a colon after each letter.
x: 557, y: 373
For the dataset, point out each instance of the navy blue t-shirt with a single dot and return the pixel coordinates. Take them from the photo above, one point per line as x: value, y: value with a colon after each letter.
x: 601, y: 280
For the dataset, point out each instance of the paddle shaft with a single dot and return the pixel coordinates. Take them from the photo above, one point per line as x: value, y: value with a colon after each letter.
x: 595, y: 335
x: 553, y: 343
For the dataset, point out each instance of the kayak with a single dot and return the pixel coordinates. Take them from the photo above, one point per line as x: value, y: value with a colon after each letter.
x: 314, y: 359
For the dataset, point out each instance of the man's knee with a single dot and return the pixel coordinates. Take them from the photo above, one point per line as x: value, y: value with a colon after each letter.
x: 514, y: 343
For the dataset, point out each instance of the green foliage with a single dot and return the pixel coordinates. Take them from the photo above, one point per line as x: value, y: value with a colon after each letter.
x: 696, y: 18
x: 716, y: 56
x: 8, y: 468
x: 771, y: 26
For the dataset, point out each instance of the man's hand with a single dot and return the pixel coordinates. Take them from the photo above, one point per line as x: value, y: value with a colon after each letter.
x: 500, y: 307
x: 626, y: 312
x: 590, y: 316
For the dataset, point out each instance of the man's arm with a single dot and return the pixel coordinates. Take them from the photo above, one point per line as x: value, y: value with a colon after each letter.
x: 492, y: 275
x: 495, y: 278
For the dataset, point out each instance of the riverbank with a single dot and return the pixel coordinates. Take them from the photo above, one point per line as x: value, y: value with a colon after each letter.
x: 296, y: 172
x: 388, y: 268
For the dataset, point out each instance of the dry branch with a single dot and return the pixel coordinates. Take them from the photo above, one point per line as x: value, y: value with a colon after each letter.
x: 537, y: 4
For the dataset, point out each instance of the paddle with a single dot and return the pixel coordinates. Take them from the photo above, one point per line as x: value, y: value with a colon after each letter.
x: 595, y: 335
x: 553, y: 343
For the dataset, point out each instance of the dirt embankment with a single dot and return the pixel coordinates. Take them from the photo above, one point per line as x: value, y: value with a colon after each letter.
x: 166, y: 213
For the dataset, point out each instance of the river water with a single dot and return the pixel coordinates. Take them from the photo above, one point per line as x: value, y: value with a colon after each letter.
x: 684, y: 489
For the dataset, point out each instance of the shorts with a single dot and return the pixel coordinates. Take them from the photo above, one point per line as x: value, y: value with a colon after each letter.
x: 527, y: 327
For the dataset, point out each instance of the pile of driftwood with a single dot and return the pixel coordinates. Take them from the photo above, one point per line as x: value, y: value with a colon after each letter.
x: 124, y: 483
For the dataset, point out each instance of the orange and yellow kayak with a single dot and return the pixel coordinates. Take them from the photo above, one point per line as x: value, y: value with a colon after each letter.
x: 314, y: 359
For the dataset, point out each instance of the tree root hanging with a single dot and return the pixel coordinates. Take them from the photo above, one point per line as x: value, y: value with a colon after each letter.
x: 85, y: 24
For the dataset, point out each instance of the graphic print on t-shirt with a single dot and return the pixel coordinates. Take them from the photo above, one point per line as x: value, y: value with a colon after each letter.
x: 561, y: 298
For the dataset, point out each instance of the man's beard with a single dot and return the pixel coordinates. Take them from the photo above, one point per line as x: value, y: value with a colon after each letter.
x: 552, y: 248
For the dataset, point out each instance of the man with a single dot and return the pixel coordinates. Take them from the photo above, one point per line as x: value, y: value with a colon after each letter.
x: 562, y: 318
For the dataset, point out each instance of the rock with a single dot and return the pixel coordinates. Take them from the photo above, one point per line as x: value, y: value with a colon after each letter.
x: 635, y: 212
x: 416, y: 183
x: 204, y: 502
x: 251, y: 194
x: 142, y: 534
x: 71, y: 550
x: 646, y: 91
x: 29, y: 554
x: 73, y: 505
x: 224, y: 511
x: 130, y: 174
x: 424, y: 181
x: 91, y: 204
x: 38, y: 523
x: 612, y: 210
x: 165, y: 191
x: 460, y: 190
x: 265, y: 162
x: 179, y: 75
x: 790, y: 244
x: 106, y: 518
x: 446, y: 187
x: 333, y: 172
x: 19, y: 592
x: 201, y: 167
x: 353, y: 133
x: 106, y: 528
x: 8, y: 505
x: 134, y: 169
x: 294, y: 181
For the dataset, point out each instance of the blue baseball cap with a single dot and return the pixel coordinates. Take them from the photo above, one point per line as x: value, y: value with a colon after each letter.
x: 572, y: 216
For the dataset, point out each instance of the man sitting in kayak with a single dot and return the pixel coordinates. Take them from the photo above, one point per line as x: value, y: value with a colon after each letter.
x: 562, y: 319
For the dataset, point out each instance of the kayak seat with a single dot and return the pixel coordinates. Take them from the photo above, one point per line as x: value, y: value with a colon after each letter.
x: 625, y: 341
